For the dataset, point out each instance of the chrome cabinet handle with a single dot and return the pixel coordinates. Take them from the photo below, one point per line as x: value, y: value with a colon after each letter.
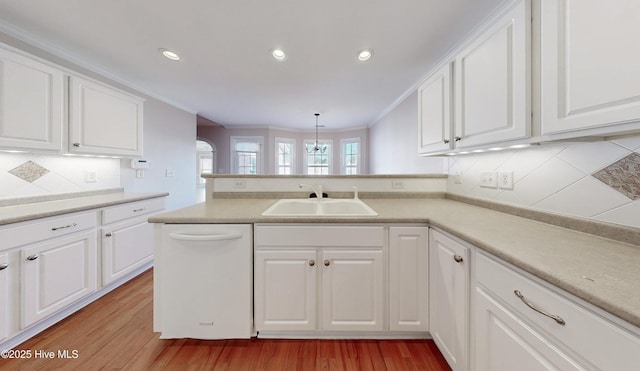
x: 33, y: 257
x: 327, y: 263
x: 458, y: 258
x: 457, y: 139
x: 558, y: 319
x: 312, y: 263
x: 109, y: 234
x: 64, y: 226
x: 76, y: 144
x: 4, y: 266
x: 136, y: 210
x: 446, y: 141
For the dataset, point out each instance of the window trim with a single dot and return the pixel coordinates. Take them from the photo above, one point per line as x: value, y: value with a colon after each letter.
x: 329, y: 144
x: 292, y: 142
x: 233, y: 140
x: 343, y: 165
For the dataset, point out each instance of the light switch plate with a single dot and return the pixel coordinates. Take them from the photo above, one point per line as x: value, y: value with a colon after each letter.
x: 489, y: 179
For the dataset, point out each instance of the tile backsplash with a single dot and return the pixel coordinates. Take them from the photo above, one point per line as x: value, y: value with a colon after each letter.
x: 28, y: 175
x: 593, y: 180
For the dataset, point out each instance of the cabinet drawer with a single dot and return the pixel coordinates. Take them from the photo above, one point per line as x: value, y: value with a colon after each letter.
x: 131, y: 209
x: 319, y: 236
x: 601, y: 342
x: 46, y: 228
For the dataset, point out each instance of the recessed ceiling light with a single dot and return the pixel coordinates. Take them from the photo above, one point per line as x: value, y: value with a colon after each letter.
x: 278, y: 54
x: 169, y: 54
x: 365, y: 54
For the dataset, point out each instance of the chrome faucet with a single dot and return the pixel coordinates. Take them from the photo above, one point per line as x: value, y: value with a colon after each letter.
x: 316, y: 189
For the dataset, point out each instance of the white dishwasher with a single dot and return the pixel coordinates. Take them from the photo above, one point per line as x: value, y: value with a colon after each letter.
x: 205, y: 281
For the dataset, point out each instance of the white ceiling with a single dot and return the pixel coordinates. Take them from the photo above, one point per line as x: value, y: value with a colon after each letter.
x: 227, y: 74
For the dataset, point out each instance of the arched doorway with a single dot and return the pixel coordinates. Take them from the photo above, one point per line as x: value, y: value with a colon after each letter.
x: 206, y: 162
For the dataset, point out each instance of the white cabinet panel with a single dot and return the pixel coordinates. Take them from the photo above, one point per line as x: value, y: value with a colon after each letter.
x: 125, y: 248
x: 31, y: 104
x: 285, y: 290
x: 434, y: 112
x: 589, y: 64
x: 4, y: 295
x: 505, y: 343
x: 408, y: 279
x: 449, y: 269
x: 352, y: 290
x: 56, y: 273
x: 493, y: 82
x: 103, y: 120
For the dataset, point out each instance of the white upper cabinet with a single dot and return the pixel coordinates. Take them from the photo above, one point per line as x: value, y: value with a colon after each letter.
x: 31, y: 104
x: 589, y: 66
x: 434, y: 112
x: 103, y: 120
x: 493, y: 82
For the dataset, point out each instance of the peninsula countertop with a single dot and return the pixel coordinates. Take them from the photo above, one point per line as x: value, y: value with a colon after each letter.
x: 598, y: 270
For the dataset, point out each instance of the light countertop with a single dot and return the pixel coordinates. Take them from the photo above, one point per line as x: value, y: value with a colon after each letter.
x: 601, y: 271
x: 36, y: 210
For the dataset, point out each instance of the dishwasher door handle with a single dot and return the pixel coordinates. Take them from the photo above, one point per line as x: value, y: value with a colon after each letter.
x: 205, y: 237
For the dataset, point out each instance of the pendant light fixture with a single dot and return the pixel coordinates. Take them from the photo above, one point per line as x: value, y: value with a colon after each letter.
x: 316, y: 146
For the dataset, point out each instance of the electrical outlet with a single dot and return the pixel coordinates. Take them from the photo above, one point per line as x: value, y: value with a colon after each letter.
x: 505, y: 180
x: 397, y: 184
x: 169, y: 173
x: 90, y: 176
x: 457, y: 177
x: 239, y: 184
x: 489, y: 179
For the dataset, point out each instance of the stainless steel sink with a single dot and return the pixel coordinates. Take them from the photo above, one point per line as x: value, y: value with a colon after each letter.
x: 325, y: 207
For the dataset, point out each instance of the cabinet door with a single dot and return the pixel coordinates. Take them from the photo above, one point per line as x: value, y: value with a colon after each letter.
x: 103, y: 120
x: 31, y: 104
x: 589, y: 64
x: 492, y: 82
x: 4, y: 295
x: 57, y: 273
x: 503, y: 342
x: 352, y: 290
x: 449, y: 298
x: 125, y: 248
x: 434, y: 112
x: 285, y: 290
x: 408, y: 279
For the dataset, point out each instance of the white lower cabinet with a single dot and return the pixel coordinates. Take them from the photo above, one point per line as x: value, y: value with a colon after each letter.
x: 57, y: 273
x: 409, y: 278
x: 523, y: 323
x: 449, y: 269
x: 319, y: 278
x: 127, y: 238
x: 5, y: 268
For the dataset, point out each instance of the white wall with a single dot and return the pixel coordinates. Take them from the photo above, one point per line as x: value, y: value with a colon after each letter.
x: 393, y: 143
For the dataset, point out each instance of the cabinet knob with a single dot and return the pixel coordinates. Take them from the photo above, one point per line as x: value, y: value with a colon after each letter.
x: 312, y: 263
x: 33, y: 257
x: 4, y: 266
x: 108, y: 234
x: 327, y: 263
x: 446, y: 141
x: 457, y: 139
x: 457, y: 258
x: 76, y: 144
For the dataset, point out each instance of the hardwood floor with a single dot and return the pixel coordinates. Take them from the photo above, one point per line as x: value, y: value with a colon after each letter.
x: 115, y: 333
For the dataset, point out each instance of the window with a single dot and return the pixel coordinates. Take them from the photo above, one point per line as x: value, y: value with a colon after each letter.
x: 317, y: 162
x: 285, y: 156
x: 246, y: 155
x: 350, y: 156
